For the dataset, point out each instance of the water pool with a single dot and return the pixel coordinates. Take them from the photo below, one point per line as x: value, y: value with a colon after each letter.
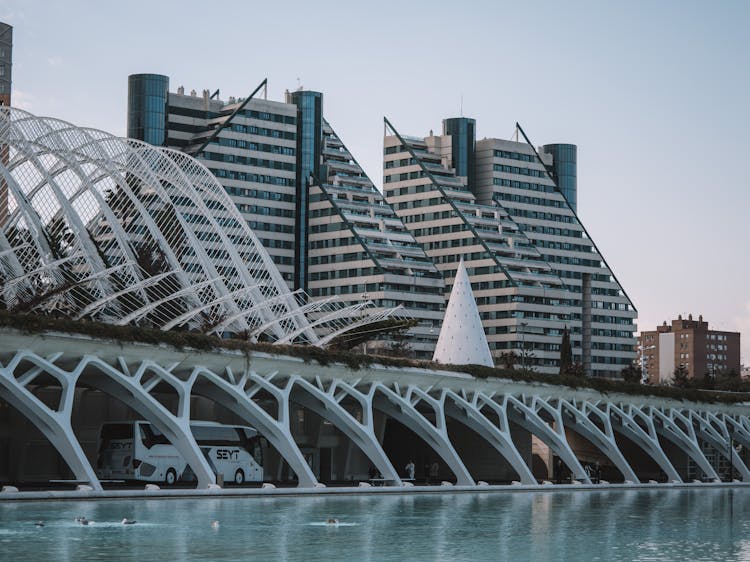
x: 610, y: 525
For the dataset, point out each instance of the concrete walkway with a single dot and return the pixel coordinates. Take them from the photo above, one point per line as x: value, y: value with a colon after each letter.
x: 299, y: 492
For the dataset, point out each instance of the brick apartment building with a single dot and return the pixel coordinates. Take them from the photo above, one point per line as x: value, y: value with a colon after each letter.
x: 689, y: 343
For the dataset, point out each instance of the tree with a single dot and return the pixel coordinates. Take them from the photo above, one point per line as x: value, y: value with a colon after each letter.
x: 508, y: 359
x: 631, y: 373
x: 566, y: 352
x: 576, y: 369
x: 680, y: 377
x: 527, y: 360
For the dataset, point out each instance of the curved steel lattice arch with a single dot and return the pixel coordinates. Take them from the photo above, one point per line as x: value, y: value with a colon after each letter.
x: 116, y: 230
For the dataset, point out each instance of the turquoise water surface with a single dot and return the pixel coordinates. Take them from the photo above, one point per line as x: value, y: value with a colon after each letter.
x: 611, y: 525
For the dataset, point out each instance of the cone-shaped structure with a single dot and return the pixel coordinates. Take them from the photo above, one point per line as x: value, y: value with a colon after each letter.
x: 462, y: 340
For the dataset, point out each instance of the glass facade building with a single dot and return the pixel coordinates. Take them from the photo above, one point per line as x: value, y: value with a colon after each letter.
x: 564, y: 170
x: 147, y: 107
x: 6, y: 62
x: 463, y: 133
x: 309, y: 138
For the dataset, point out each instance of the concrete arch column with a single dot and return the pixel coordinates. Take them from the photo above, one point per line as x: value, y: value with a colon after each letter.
x: 579, y: 420
x: 326, y: 404
x: 498, y: 436
x: 528, y: 418
x: 625, y: 421
x: 716, y: 433
x: 55, y: 425
x: 236, y: 394
x: 134, y: 390
x: 683, y: 437
x: 740, y: 431
x: 403, y: 409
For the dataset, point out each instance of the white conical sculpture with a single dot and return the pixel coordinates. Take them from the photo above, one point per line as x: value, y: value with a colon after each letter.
x: 462, y: 340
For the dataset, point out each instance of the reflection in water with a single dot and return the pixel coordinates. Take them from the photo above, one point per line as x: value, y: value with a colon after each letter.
x: 564, y: 525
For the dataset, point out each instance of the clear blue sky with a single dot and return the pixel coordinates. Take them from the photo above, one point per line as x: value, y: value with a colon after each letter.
x: 653, y: 93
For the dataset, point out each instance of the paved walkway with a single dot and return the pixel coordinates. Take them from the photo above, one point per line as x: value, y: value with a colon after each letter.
x: 298, y: 492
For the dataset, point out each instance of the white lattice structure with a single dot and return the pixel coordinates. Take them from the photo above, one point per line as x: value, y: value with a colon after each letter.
x: 423, y: 401
x: 100, y: 227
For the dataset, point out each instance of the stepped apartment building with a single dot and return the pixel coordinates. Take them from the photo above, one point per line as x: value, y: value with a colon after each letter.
x: 326, y: 226
x: 509, y: 211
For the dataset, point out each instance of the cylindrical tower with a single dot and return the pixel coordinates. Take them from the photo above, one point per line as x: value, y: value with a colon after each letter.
x: 147, y: 107
x: 564, y: 163
x: 309, y: 142
x: 6, y: 62
x: 463, y: 133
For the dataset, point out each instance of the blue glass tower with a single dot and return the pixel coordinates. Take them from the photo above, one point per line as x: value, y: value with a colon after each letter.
x: 147, y: 107
x: 564, y: 166
x: 309, y: 139
x: 463, y: 133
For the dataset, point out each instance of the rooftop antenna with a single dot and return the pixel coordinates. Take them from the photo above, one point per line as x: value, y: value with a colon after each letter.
x: 299, y: 84
x: 462, y: 104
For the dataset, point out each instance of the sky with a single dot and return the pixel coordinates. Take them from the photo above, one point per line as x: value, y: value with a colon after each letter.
x: 654, y: 94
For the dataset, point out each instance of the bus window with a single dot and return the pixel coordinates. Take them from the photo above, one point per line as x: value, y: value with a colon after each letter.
x: 151, y: 436
x: 215, y: 435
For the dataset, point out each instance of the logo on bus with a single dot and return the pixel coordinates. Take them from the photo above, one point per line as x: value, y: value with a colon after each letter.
x: 227, y: 454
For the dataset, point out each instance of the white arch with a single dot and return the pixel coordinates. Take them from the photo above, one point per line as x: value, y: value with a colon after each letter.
x: 402, y: 409
x: 666, y: 424
x: 624, y: 418
x: 55, y: 169
x: 579, y: 419
x: 529, y: 418
x: 497, y: 435
x: 326, y: 404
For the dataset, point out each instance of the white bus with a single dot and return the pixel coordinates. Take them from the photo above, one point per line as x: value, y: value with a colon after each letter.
x: 137, y: 450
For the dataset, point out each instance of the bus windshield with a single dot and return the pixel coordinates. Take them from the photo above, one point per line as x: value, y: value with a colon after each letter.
x: 115, y: 432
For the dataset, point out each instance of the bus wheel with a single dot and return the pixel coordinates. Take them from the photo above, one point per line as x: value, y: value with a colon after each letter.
x: 171, y: 477
x: 239, y: 477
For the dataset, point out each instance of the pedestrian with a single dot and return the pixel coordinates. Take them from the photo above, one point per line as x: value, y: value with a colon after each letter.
x: 434, y: 470
x: 410, y: 470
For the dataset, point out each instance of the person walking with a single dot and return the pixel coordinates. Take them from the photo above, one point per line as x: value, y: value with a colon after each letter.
x: 558, y: 470
x: 410, y: 470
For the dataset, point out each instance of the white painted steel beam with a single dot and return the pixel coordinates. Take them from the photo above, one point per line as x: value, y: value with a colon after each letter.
x: 402, y: 409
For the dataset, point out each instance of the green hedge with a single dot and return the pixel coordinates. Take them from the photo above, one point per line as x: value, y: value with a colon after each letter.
x: 35, y: 324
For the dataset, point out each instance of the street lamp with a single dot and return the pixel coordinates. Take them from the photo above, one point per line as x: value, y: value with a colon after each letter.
x: 644, y: 375
x: 523, y: 346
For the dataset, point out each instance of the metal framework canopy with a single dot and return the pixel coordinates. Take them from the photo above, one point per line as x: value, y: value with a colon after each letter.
x: 116, y: 230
